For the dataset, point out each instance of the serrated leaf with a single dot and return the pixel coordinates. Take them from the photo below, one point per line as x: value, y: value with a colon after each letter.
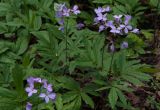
x: 87, y: 100
x: 7, y: 93
x: 113, y: 97
x: 22, y: 45
x: 69, y: 96
x: 18, y: 75
x: 121, y: 96
x: 132, y: 80
x: 59, y: 102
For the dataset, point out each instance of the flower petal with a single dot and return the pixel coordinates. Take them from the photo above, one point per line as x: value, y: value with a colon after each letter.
x: 46, y: 99
x: 52, y: 96
x: 42, y: 95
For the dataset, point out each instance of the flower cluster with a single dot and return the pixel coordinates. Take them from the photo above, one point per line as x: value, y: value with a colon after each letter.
x: 47, y: 95
x: 120, y: 25
x: 62, y: 11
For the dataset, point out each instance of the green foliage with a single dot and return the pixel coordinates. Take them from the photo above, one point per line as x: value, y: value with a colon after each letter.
x: 77, y: 62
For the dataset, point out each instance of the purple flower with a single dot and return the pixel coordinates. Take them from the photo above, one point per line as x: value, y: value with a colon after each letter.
x: 96, y: 21
x: 59, y: 14
x: 126, y: 28
x: 31, y: 91
x: 61, y: 28
x: 38, y: 80
x: 99, y: 10
x: 66, y: 12
x: 80, y: 25
x: 107, y: 9
x: 28, y: 106
x: 101, y: 17
x: 61, y: 22
x: 48, y: 87
x: 59, y: 7
x: 30, y: 81
x: 127, y: 19
x: 110, y: 24
x: 75, y: 10
x: 120, y: 24
x: 48, y: 96
x: 112, y: 48
x: 101, y: 28
x: 117, y: 18
x: 136, y: 31
x: 124, y: 45
x: 115, y: 30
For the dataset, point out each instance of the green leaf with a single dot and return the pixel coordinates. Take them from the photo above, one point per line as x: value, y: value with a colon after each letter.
x: 18, y: 76
x: 7, y: 93
x: 69, y: 96
x: 103, y: 1
x: 121, y: 61
x: 78, y: 103
x: 153, y: 3
x: 42, y: 35
x: 46, y: 3
x: 69, y: 83
x: 133, y: 80
x: 59, y: 102
x: 113, y: 97
x: 87, y: 99
x: 4, y: 7
x: 22, y: 42
x: 8, y: 104
x: 3, y: 28
x: 121, y: 96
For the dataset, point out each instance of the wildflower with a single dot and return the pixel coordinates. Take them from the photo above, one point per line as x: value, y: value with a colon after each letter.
x: 124, y: 45
x: 30, y: 81
x: 48, y: 87
x: 61, y: 28
x: 75, y: 10
x: 107, y: 9
x: 31, y: 91
x: 117, y: 18
x: 59, y: 7
x: 101, y: 17
x: 66, y: 12
x: 127, y: 19
x: 101, y: 28
x: 59, y: 14
x: 110, y: 24
x: 96, y: 21
x: 115, y: 30
x: 61, y: 22
x: 99, y: 10
x: 136, y: 31
x: 38, y: 80
x: 80, y: 25
x: 62, y: 11
x: 126, y: 28
x: 112, y: 47
x: 48, y: 96
x: 28, y: 106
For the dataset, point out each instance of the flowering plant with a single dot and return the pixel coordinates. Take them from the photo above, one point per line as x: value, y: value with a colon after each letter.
x: 78, y: 54
x: 46, y: 94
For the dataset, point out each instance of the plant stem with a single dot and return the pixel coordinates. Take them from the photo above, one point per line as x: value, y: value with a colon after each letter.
x: 110, y: 68
x: 66, y: 40
x: 103, y: 55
